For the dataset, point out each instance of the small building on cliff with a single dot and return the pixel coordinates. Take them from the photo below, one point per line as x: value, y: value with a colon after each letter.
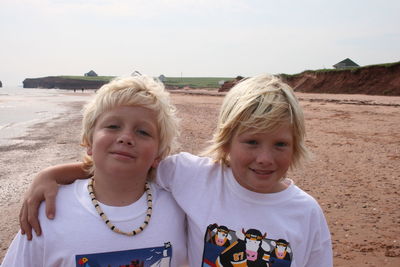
x: 162, y: 78
x: 346, y: 64
x: 91, y: 74
x: 136, y: 73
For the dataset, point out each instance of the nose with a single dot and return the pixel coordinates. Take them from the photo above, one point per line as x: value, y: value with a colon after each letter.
x: 264, y: 156
x: 125, y: 138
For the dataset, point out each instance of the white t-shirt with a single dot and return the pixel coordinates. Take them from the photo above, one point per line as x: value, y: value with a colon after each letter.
x: 228, y: 224
x: 79, y: 237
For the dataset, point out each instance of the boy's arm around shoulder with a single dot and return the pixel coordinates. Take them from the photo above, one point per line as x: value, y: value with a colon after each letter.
x: 166, y: 170
x: 44, y: 187
x: 175, y: 170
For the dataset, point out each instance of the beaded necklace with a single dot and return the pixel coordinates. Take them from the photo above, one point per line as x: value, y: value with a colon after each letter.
x: 108, y: 222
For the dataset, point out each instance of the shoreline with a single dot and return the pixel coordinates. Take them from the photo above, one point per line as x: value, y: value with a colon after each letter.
x: 44, y: 144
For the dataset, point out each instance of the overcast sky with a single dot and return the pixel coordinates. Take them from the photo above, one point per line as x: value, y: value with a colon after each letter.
x: 205, y: 38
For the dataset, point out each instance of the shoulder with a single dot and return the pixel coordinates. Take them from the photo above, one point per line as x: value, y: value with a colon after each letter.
x: 184, y: 170
x: 160, y: 194
x: 186, y: 159
x: 69, y: 197
x: 311, y: 209
x: 158, y: 191
x: 303, y: 199
x: 299, y: 193
x: 163, y: 199
x: 181, y: 164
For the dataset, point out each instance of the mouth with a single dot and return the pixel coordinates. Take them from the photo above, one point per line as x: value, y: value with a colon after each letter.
x: 123, y: 154
x: 262, y: 172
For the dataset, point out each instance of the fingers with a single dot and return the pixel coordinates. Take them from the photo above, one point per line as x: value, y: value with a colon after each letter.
x: 29, y: 213
x: 32, y: 212
x: 50, y: 199
x: 23, y: 222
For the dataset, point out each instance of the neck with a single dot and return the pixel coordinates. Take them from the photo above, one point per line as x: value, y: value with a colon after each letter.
x: 118, y: 191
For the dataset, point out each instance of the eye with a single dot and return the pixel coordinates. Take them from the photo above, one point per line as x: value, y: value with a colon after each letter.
x: 143, y: 132
x: 251, y: 142
x: 112, y: 126
x: 281, y: 144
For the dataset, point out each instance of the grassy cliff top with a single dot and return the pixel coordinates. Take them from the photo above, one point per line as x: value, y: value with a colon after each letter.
x: 193, y: 82
x: 89, y: 78
x: 386, y: 65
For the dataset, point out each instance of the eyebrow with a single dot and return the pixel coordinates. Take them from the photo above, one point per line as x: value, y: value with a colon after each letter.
x: 139, y: 120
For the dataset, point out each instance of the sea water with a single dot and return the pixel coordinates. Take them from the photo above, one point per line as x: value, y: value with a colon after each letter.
x: 21, y: 108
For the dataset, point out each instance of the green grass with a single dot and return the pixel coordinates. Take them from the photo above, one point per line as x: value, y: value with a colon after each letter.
x: 195, y: 82
x: 387, y: 65
x: 284, y: 75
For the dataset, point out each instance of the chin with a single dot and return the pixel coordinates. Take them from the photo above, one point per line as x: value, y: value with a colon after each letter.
x: 265, y: 188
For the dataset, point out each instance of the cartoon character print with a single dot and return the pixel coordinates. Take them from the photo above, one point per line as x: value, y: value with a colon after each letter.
x: 83, y: 262
x: 219, y: 235
x: 281, y: 250
x: 247, y: 248
x: 153, y: 257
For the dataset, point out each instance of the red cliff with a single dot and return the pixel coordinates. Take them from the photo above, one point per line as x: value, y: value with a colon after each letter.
x: 369, y: 80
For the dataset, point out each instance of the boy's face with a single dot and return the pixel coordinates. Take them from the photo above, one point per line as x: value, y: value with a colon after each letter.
x: 125, y: 139
x: 260, y: 160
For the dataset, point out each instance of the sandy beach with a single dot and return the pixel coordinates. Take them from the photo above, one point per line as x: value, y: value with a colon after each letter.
x: 354, y: 172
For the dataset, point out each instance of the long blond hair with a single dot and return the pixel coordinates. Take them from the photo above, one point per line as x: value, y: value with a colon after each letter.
x: 260, y: 103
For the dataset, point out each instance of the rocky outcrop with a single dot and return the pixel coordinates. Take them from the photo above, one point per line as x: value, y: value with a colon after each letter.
x: 226, y: 86
x: 369, y: 80
x: 62, y: 83
x: 1, y: 85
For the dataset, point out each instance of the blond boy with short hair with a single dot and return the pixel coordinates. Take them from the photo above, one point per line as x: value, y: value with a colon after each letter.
x: 119, y: 216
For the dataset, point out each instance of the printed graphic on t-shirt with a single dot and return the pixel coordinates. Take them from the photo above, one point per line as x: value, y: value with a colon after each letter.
x: 156, y: 256
x: 248, y: 247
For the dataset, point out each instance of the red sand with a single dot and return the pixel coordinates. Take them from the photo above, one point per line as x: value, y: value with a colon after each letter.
x: 354, y: 174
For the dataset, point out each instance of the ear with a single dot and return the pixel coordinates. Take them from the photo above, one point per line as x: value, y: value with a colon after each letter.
x: 265, y: 245
x: 226, y: 147
x: 155, y: 162
x: 240, y: 235
x: 89, y: 151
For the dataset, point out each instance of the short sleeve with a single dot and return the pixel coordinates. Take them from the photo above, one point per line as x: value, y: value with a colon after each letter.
x: 321, y: 249
x: 23, y: 252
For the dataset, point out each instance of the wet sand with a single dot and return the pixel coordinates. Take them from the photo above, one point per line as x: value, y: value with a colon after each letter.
x: 354, y: 173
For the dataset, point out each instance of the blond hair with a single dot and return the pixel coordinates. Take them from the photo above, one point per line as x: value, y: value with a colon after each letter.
x: 141, y: 91
x: 261, y: 103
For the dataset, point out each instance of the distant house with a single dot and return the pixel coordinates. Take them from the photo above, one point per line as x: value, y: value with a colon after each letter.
x: 162, y: 78
x: 136, y: 73
x: 91, y: 73
x: 346, y: 64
